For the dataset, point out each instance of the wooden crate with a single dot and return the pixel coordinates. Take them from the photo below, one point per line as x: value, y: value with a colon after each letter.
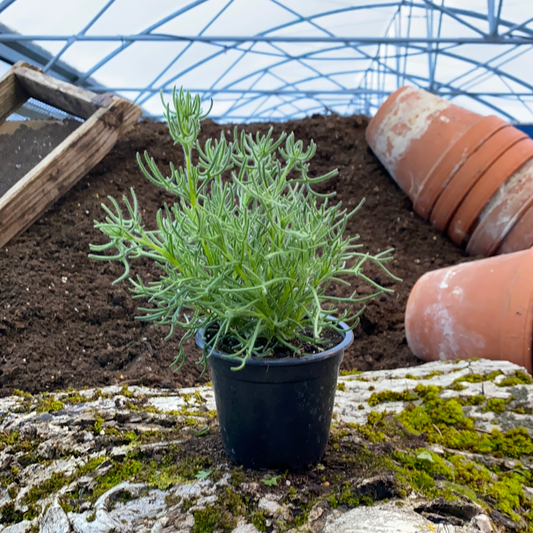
x: 106, y: 118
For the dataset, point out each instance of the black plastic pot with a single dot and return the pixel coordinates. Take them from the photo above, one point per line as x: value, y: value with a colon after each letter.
x: 276, y: 413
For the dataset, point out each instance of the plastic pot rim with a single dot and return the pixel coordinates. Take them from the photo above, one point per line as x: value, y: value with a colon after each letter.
x: 286, y: 361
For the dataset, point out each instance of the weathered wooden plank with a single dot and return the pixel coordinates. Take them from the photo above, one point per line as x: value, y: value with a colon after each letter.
x: 63, y: 167
x: 69, y: 98
x: 12, y: 95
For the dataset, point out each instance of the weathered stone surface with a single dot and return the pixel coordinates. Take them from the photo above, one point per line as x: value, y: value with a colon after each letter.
x: 351, y: 404
x: 441, y: 510
x: 97, y: 521
x: 59, y: 447
x: 55, y: 520
x: 482, y: 523
x: 21, y: 527
x: 269, y: 504
x: 389, y: 518
x: 243, y: 527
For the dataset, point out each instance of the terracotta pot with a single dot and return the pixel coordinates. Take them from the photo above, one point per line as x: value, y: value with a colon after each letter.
x: 467, y: 176
x: 479, y: 309
x: 412, y: 131
x: 452, y: 160
x: 486, y: 187
x: 521, y: 235
x: 508, y: 205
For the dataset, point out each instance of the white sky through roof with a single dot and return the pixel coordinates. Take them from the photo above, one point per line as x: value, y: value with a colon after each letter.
x: 451, y: 47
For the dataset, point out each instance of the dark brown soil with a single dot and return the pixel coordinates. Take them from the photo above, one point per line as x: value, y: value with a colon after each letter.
x: 63, y: 324
x: 25, y: 144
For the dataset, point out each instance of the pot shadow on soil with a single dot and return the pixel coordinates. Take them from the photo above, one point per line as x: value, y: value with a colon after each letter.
x: 63, y: 324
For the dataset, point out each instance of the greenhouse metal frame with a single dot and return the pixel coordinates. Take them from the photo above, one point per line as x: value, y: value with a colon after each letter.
x: 328, y: 70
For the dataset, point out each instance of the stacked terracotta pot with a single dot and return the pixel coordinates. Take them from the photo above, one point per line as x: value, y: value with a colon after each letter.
x: 471, y: 175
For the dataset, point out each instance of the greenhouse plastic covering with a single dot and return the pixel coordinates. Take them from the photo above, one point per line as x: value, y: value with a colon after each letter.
x: 281, y: 59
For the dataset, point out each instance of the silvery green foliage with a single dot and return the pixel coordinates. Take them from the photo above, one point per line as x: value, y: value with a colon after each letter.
x: 253, y: 254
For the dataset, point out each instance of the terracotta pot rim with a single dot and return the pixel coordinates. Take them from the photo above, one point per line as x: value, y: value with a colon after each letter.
x: 514, y: 240
x: 482, y: 242
x: 464, y: 180
x: 452, y: 160
x: 467, y: 214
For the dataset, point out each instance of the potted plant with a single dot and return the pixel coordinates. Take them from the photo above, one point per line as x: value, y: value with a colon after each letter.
x: 247, y: 254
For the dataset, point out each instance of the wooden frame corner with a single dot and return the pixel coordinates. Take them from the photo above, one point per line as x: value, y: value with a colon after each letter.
x: 106, y: 118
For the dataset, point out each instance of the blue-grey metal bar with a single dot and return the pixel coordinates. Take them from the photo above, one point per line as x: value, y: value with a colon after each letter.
x: 156, y: 37
x: 5, y: 4
x: 454, y: 16
x: 491, y: 18
x: 31, y: 53
x: 125, y: 44
x: 517, y: 27
x: 74, y: 38
x: 177, y: 58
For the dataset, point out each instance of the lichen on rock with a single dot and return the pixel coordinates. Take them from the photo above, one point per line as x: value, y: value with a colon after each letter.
x: 408, y: 446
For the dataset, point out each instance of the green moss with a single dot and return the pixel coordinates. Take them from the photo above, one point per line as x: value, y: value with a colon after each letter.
x: 333, y: 502
x: 8, y: 439
x: 126, y: 392
x: 74, y: 397
x: 427, y: 393
x: 130, y: 436
x: 341, y: 386
x: 91, y: 465
x: 224, y: 513
x: 496, y: 405
x: 98, y: 424
x: 258, y: 519
x: 350, y: 372
x: 391, y: 396
x: 174, y: 468
x: 444, y: 422
x: 141, y: 407
x: 460, y: 476
x: 372, y: 430
x: 450, y: 413
x: 477, y: 399
x: 237, y: 476
x: 18, y: 443
x: 433, y: 374
x: 10, y: 515
x: 469, y: 473
x: 508, y: 495
x: 120, y: 471
x: 206, y: 520
x: 421, y: 471
x: 21, y: 394
x: 46, y: 488
x: 521, y: 411
x: 49, y: 405
x: 199, y: 398
x: 518, y: 378
x: 478, y: 378
x: 457, y: 386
